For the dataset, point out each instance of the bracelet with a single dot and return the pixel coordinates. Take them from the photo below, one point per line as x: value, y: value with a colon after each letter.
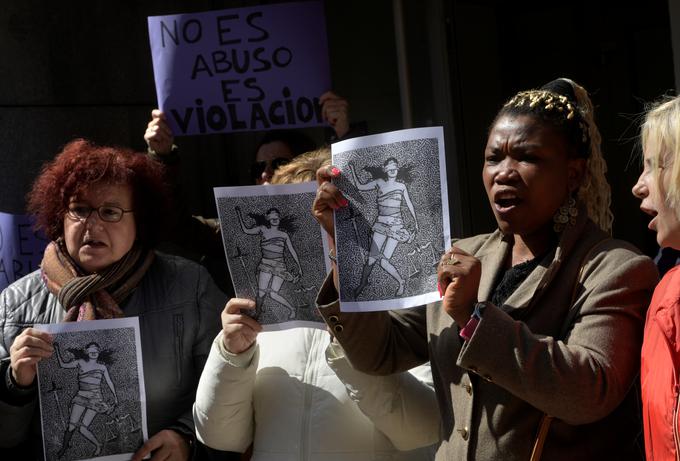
x: 331, y: 256
x: 171, y: 154
x: 471, y: 325
x: 469, y: 328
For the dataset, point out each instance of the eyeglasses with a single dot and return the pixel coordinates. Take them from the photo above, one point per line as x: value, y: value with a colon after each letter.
x: 106, y: 213
x: 258, y: 167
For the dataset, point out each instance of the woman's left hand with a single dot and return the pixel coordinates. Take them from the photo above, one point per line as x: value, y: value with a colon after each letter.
x: 165, y: 445
x: 458, y: 277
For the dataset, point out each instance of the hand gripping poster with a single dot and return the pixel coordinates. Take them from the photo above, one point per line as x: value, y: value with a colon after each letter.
x: 391, y: 235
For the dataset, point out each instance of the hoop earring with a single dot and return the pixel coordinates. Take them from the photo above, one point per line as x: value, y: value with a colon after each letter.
x: 565, y: 215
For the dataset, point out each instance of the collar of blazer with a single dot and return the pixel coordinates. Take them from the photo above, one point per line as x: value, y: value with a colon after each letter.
x: 497, y: 247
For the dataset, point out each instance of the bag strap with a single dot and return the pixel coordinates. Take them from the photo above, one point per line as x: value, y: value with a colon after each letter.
x: 544, y: 426
x: 540, y: 437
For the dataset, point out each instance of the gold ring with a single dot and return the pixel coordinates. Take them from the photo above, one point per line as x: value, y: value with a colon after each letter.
x: 452, y: 261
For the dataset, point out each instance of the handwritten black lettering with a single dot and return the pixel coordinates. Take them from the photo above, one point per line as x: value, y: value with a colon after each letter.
x: 17, y: 269
x: 198, y: 30
x: 282, y: 56
x: 3, y: 271
x: 264, y: 63
x: 220, y: 62
x: 274, y: 115
x: 164, y: 29
x: 200, y: 66
x: 304, y: 110
x: 200, y: 115
x: 216, y: 118
x: 236, y: 124
x: 240, y: 61
x: 258, y: 116
x: 223, y: 30
x: 182, y: 121
x: 250, y: 20
x: 227, y: 90
x: 242, y: 66
x: 251, y: 84
x: 23, y: 238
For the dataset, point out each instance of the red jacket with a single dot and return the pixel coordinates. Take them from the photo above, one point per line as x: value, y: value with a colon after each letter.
x: 660, y: 363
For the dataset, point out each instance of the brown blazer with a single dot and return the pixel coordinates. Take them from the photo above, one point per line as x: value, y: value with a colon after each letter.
x: 536, y: 353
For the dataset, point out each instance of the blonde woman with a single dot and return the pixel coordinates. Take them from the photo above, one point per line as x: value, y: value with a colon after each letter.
x: 274, y: 392
x: 659, y: 189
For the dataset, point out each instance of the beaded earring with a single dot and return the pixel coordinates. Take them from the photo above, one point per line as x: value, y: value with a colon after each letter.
x: 566, y: 215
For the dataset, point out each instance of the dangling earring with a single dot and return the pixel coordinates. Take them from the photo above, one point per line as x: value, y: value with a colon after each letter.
x: 566, y: 215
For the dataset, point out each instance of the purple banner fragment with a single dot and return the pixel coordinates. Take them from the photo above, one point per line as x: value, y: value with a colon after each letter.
x: 242, y: 69
x: 21, y: 249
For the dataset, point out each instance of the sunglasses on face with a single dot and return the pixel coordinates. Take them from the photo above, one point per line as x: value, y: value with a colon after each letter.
x: 258, y: 168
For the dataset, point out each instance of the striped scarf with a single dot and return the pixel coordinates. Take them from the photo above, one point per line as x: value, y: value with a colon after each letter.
x: 92, y: 296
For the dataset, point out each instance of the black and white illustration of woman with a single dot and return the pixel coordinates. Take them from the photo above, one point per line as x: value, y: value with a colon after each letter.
x: 388, y: 229
x: 272, y: 270
x: 89, y: 401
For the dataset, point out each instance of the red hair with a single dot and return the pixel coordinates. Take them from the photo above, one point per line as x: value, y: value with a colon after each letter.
x: 82, y: 164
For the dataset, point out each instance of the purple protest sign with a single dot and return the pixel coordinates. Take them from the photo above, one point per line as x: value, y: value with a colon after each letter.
x: 21, y: 249
x: 241, y: 69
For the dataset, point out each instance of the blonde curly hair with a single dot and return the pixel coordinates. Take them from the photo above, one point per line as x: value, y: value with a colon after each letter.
x: 303, y: 167
x: 661, y: 131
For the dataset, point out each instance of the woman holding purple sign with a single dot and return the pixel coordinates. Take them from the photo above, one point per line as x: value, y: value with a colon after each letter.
x: 535, y: 344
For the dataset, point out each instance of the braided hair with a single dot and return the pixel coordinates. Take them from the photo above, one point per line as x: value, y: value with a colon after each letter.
x: 566, y: 106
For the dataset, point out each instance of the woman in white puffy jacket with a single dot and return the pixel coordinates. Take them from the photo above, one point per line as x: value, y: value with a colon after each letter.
x: 276, y: 391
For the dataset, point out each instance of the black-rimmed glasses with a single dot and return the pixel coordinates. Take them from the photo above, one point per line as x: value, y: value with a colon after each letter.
x: 106, y: 213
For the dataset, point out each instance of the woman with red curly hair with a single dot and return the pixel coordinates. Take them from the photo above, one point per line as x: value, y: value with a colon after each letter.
x: 103, y: 208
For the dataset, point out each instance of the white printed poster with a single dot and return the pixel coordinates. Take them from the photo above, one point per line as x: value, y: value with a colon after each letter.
x: 275, y: 250
x: 92, y: 397
x: 396, y: 227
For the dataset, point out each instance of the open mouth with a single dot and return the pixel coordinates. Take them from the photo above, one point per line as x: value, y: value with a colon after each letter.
x: 651, y: 212
x: 507, y: 202
x: 504, y: 201
x: 652, y: 222
x: 93, y: 243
